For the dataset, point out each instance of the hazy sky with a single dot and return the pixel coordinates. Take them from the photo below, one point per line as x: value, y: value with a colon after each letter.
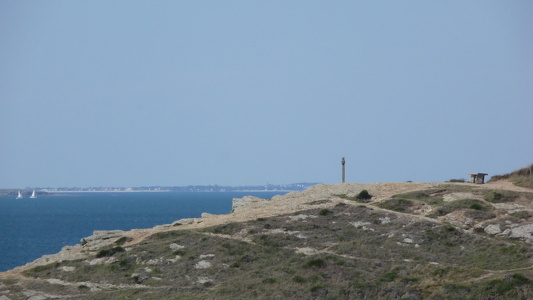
x: 132, y: 93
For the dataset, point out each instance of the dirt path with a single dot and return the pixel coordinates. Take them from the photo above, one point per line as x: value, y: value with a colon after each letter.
x: 505, y: 185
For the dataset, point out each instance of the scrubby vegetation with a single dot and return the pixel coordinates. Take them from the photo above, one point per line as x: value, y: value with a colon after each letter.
x: 363, y: 197
x: 450, y: 241
x: 522, y: 177
x: 344, y: 252
x: 461, y: 180
x: 501, y: 196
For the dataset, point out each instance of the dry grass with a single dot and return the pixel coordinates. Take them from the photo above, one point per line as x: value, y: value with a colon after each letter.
x: 521, y: 177
x: 359, y: 252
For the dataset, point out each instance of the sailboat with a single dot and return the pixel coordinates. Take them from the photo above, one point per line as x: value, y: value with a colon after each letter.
x: 33, y: 195
x: 19, y: 196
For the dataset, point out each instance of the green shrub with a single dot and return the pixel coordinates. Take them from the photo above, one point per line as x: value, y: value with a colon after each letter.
x: 317, y: 288
x: 466, y: 203
x: 456, y: 180
x: 476, y: 206
x: 401, y: 205
x: 123, y: 240
x: 427, y: 196
x: 109, y: 252
x: 227, y: 229
x: 390, y: 276
x: 500, y: 196
x: 325, y: 212
x: 363, y: 196
x: 179, y: 252
x: 502, y: 286
x: 315, y: 263
x: 269, y: 280
x: 523, y: 214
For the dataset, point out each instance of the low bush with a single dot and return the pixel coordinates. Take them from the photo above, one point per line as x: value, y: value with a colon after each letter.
x: 476, y: 206
x: 522, y: 177
x: 500, y: 196
x: 109, y: 252
x: 523, y: 214
x: 315, y: 263
x: 325, y: 212
x: 363, y: 196
x: 456, y: 180
x: 509, y: 282
x: 401, y: 205
x: 428, y: 196
x: 123, y: 240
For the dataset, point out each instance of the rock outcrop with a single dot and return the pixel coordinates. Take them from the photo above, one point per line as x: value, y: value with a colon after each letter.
x: 325, y: 227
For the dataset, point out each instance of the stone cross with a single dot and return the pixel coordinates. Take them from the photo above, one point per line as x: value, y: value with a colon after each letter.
x: 343, y: 171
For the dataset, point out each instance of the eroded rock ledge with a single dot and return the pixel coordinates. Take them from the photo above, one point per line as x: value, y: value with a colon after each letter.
x: 322, y: 195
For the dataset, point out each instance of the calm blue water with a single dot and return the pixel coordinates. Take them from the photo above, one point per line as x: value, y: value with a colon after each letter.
x: 30, y: 228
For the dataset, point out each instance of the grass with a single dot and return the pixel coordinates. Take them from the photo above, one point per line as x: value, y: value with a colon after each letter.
x: 363, y: 197
x: 400, y: 205
x: 474, y: 208
x: 462, y: 180
x: 109, y: 252
x: 522, y: 177
x: 501, y: 196
x: 523, y: 214
x: 359, y: 252
x: 325, y: 212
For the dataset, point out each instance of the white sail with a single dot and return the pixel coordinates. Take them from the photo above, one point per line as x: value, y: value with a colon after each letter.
x: 33, y: 195
x: 19, y: 196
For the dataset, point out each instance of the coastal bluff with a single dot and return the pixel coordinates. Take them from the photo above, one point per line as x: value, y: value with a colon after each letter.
x: 406, y: 230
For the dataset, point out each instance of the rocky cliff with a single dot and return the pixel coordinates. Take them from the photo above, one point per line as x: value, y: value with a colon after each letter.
x: 409, y: 241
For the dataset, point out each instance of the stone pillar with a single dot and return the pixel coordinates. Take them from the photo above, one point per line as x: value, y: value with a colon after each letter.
x: 343, y: 170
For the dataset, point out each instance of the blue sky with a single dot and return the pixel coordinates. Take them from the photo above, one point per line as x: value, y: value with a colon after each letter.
x: 132, y: 93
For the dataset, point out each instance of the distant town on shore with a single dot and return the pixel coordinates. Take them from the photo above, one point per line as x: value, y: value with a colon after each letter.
x: 188, y: 188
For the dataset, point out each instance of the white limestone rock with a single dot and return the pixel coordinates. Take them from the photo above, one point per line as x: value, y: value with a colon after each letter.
x: 301, y: 217
x: 184, y: 222
x: 175, y: 247
x: 204, y: 280
x: 203, y: 264
x: 306, y: 251
x: 523, y: 232
x: 240, y: 203
x: 493, y: 229
x: 101, y: 238
x: 385, y: 220
x: 362, y: 225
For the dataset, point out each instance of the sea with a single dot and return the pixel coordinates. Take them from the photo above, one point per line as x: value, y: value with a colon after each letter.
x: 31, y: 228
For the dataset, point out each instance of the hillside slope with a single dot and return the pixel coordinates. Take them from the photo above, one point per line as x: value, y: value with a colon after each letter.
x: 521, y: 177
x: 409, y: 241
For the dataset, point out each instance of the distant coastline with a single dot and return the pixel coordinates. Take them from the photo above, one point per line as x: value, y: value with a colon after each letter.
x: 43, y: 191
x: 163, y: 191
